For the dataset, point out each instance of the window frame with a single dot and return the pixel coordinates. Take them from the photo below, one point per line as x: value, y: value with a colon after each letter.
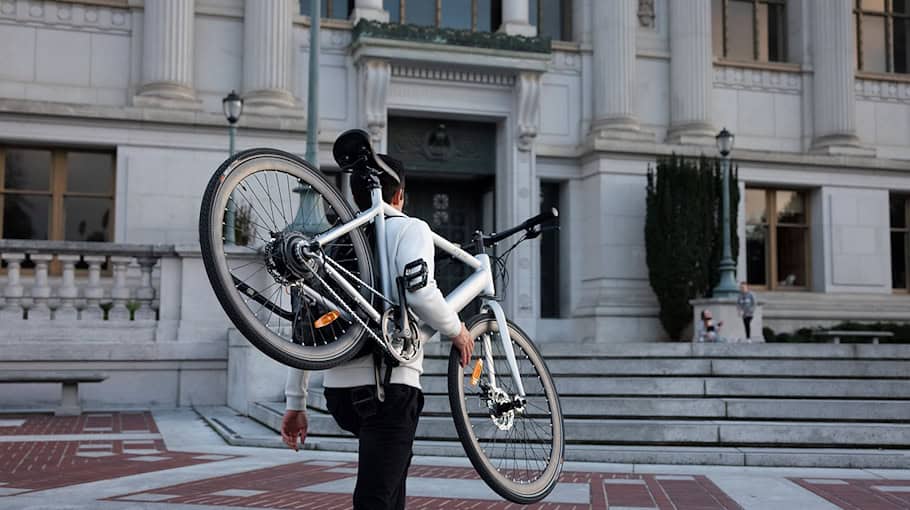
x: 57, y: 188
x: 403, y: 19
x: 327, y: 13
x: 756, y: 30
x: 565, y: 23
x: 771, y: 224
x: 888, y: 14
x: 905, y: 230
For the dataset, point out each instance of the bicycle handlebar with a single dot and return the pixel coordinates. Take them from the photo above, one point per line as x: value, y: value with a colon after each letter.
x: 528, y: 224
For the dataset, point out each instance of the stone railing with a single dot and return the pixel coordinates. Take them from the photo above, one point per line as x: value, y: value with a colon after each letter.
x: 120, y: 283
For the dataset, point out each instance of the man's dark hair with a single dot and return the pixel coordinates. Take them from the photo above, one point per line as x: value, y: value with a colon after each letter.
x: 360, y: 183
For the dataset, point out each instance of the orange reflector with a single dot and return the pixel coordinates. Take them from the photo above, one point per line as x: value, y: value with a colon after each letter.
x: 475, y: 375
x: 326, y: 319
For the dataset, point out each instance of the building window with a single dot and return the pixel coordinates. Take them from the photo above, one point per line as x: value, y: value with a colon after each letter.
x: 550, y: 282
x: 900, y: 241
x: 882, y: 33
x: 335, y: 9
x: 474, y: 15
x: 56, y: 194
x: 750, y: 29
x: 553, y: 18
x: 777, y: 238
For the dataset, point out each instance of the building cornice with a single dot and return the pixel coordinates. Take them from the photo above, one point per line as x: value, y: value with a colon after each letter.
x: 599, y: 148
x: 187, y: 118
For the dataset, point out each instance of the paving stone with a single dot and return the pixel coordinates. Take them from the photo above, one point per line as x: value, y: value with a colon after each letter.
x: 892, y: 488
x: 95, y: 454
x: 150, y: 497
x: 240, y: 493
x: 149, y: 458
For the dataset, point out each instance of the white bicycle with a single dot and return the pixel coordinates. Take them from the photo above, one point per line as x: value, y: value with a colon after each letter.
x: 300, y: 284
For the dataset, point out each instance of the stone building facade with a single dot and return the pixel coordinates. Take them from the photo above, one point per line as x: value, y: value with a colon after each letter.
x: 116, y: 104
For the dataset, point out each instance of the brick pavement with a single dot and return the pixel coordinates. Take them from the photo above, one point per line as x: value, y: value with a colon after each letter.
x: 319, y: 484
x: 40, y: 452
x: 851, y: 494
x: 39, y: 461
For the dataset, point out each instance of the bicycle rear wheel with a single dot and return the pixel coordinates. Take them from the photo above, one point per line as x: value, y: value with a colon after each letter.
x: 286, y: 306
x: 518, y: 452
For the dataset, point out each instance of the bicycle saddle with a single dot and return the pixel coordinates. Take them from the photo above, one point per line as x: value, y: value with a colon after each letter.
x: 353, y: 147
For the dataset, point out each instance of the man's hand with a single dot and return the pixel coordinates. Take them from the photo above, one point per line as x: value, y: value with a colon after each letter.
x: 465, y: 343
x: 293, y: 425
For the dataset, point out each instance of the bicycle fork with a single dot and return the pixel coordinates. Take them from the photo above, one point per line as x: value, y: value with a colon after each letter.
x: 507, y: 349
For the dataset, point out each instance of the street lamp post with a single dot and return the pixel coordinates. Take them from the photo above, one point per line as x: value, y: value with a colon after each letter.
x: 232, y: 105
x: 726, y: 287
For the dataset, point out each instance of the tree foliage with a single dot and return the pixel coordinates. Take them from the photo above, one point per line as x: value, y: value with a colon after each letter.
x: 683, y: 234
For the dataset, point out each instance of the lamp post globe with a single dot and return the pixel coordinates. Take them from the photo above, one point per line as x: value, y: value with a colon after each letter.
x: 232, y: 105
x: 725, y: 142
x: 726, y: 287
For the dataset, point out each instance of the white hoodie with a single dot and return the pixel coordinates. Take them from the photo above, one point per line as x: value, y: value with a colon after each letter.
x: 407, y: 240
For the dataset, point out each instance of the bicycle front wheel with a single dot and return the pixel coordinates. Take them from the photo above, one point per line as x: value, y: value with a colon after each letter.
x: 258, y: 206
x: 516, y: 447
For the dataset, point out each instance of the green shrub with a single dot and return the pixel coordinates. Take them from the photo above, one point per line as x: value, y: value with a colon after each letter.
x: 683, y: 236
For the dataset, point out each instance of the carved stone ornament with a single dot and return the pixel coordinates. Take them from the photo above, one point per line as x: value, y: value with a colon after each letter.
x: 375, y: 82
x: 646, y: 13
x: 527, y: 88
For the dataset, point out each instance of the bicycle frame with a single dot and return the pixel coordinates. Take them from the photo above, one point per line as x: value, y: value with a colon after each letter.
x: 478, y: 284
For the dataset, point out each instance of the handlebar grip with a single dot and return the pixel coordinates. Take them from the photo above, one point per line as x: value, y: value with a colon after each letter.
x: 527, y: 225
x: 540, y: 218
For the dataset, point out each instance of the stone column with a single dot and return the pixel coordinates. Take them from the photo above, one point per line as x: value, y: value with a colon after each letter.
x: 167, y: 51
x: 369, y: 9
x: 833, y: 60
x: 691, y: 73
x: 516, y: 18
x: 267, y: 48
x: 614, y: 69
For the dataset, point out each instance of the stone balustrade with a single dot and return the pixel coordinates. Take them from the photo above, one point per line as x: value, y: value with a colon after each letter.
x: 116, y: 282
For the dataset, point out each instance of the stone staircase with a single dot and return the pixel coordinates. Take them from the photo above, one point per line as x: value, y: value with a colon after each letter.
x: 742, y: 404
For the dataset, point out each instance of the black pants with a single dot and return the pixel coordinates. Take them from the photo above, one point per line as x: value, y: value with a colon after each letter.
x: 747, y: 321
x: 386, y: 439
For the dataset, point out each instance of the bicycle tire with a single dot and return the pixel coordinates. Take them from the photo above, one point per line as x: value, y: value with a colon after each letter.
x: 226, y: 179
x: 483, y: 460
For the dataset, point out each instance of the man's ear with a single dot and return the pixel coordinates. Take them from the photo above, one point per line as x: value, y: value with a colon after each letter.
x: 398, y: 197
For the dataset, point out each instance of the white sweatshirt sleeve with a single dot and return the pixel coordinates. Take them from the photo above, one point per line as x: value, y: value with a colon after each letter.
x: 295, y: 386
x: 415, y: 243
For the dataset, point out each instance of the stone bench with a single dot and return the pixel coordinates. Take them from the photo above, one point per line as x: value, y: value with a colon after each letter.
x: 70, y: 405
x: 835, y: 336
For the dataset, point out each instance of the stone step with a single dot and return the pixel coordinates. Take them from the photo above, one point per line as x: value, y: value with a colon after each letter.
x: 820, y: 410
x: 713, y: 408
x: 715, y: 387
x: 780, y: 368
x: 605, y: 367
x: 638, y: 432
x: 808, y: 388
x: 235, y: 431
x: 588, y: 406
x: 652, y: 350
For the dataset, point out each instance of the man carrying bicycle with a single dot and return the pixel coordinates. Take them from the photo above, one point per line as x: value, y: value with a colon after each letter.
x: 386, y: 428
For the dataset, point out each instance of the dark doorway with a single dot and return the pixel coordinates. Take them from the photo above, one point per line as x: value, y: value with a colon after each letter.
x: 450, y: 167
x: 453, y: 210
